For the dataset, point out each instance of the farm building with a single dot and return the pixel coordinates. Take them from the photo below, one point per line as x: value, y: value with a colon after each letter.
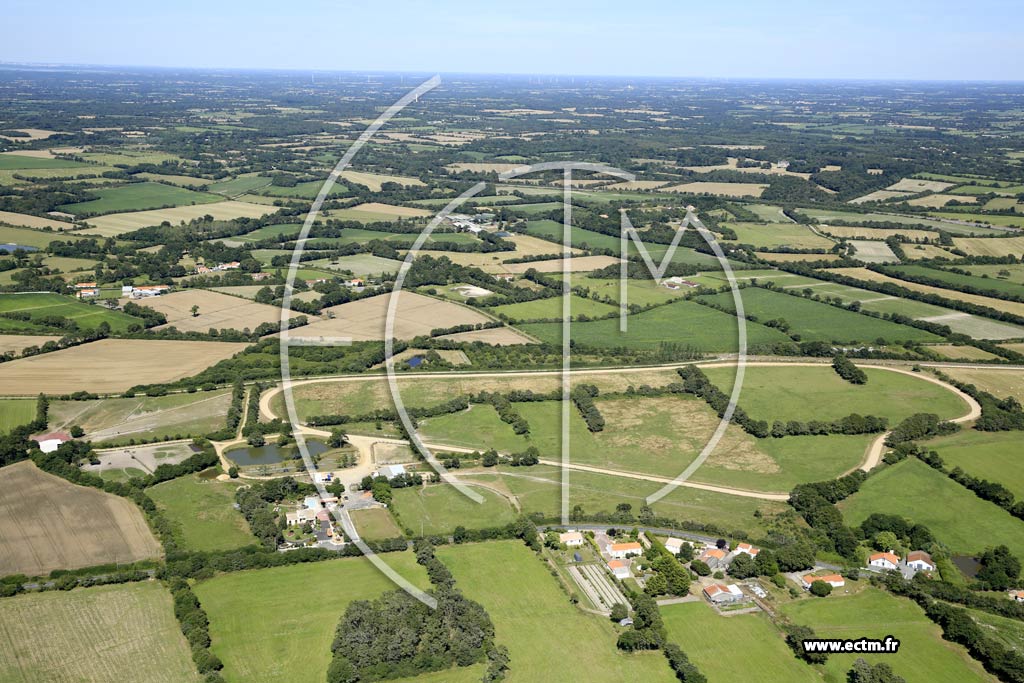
x: 674, y: 545
x: 390, y: 471
x: 572, y: 539
x: 48, y: 443
x: 621, y: 551
x: 87, y: 293
x: 833, y: 580
x: 721, y: 594
x: 1017, y: 596
x: 144, y: 291
x: 619, y: 569
x: 713, y: 557
x: 884, y: 561
x: 676, y: 282
x: 747, y: 549
x: 920, y: 561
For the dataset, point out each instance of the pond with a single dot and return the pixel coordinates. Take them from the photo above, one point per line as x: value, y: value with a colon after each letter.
x: 272, y: 453
x: 967, y: 565
x: 11, y: 248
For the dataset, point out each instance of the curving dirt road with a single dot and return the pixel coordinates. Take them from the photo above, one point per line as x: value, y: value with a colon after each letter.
x: 873, y: 454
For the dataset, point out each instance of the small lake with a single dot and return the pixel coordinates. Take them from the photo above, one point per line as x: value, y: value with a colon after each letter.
x: 11, y: 248
x: 967, y: 565
x: 271, y: 453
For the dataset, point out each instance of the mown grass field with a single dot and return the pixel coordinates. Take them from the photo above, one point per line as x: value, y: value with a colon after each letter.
x: 956, y: 280
x: 710, y: 641
x: 375, y: 524
x: 202, y: 513
x: 815, y: 321
x: 16, y: 412
x: 17, y: 162
x: 137, y: 197
x: 552, y: 308
x: 996, y: 456
x: 659, y: 436
x: 269, y: 232
x: 535, y: 621
x: 306, y: 190
x: 143, y: 417
x: 963, y: 522
x: 239, y: 185
x: 87, y: 316
x: 108, y: 634
x: 818, y: 393
x: 923, y: 657
x: 779, y: 235
x: 684, y: 323
x: 998, y: 382
x: 439, y: 509
x: 276, y: 625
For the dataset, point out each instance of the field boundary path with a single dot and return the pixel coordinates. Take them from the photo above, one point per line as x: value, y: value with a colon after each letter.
x: 872, y: 456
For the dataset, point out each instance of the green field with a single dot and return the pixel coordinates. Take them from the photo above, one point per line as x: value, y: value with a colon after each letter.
x: 307, y: 190
x: 923, y: 657
x: 240, y: 185
x: 773, y: 235
x: 991, y: 219
x: 16, y: 162
x: 827, y: 215
x: 277, y: 624
x: 201, y: 511
x: 116, y: 420
x: 16, y: 412
x: 710, y: 641
x: 375, y: 524
x: 535, y: 621
x: 685, y: 323
x: 965, y: 523
x: 436, y: 510
x: 995, y: 456
x: 956, y: 280
x: 659, y: 436
x: 581, y: 238
x: 815, y: 321
x: 269, y: 232
x: 1015, y: 272
x: 771, y: 214
x: 533, y: 209
x: 87, y: 316
x: 538, y: 489
x: 359, y: 264
x: 27, y: 237
x: 107, y: 634
x: 137, y: 197
x: 552, y: 308
x: 818, y: 393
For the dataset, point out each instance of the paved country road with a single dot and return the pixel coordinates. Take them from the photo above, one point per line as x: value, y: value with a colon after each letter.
x: 872, y: 457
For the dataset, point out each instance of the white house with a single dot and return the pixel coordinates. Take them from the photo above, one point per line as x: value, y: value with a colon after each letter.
x: 619, y: 569
x: 920, y: 561
x: 884, y: 561
x: 621, y: 551
x: 572, y: 539
x: 833, y: 580
x: 301, y: 516
x: 674, y: 545
x: 720, y: 594
x: 747, y: 549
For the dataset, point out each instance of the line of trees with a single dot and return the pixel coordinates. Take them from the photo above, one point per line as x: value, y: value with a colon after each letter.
x: 845, y: 368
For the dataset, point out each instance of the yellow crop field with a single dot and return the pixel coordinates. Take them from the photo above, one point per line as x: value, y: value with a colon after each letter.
x: 116, y: 224
x: 216, y: 310
x: 720, y: 189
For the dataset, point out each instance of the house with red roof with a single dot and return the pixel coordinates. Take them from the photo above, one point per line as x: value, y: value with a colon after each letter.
x: 887, y: 561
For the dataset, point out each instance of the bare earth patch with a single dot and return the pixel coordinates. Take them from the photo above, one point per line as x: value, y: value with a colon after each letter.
x: 49, y: 523
x: 111, y: 365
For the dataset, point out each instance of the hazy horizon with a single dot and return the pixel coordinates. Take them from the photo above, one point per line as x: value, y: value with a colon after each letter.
x: 800, y: 40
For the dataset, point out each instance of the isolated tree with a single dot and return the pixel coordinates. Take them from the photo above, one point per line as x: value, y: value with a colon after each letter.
x: 338, y: 438
x: 821, y: 588
x: 195, y: 310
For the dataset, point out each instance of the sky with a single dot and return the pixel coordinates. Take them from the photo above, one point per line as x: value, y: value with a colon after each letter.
x: 868, y: 39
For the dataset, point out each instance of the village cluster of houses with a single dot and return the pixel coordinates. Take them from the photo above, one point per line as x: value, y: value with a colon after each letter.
x: 220, y: 267
x: 90, y: 290
x: 915, y: 561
